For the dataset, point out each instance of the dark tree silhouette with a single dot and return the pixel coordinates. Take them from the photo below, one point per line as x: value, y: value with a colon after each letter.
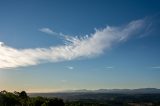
x: 21, y: 99
x: 23, y: 95
x: 55, y: 102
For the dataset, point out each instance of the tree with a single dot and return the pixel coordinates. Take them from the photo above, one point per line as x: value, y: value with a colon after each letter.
x: 23, y: 95
x: 55, y: 102
x: 23, y: 98
x: 9, y: 99
x: 38, y: 101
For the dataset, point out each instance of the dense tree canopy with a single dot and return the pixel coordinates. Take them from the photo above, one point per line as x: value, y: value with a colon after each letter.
x: 21, y: 99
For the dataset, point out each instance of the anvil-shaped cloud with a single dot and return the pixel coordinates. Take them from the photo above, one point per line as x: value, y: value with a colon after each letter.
x: 77, y: 47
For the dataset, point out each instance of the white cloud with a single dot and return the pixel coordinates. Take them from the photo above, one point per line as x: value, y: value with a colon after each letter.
x: 76, y: 47
x: 51, y: 32
x: 70, y: 67
x: 47, y: 30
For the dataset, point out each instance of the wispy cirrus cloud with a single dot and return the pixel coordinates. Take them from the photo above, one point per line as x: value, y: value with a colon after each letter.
x: 47, y: 30
x: 51, y: 32
x: 76, y: 47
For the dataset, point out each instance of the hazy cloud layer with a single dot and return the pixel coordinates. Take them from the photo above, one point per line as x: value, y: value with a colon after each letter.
x: 76, y: 47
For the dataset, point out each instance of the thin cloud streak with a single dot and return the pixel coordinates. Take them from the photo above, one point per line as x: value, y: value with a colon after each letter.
x: 76, y: 47
x: 109, y: 67
x: 47, y: 30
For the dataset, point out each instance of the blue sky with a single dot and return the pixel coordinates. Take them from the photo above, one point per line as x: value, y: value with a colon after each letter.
x: 55, y: 45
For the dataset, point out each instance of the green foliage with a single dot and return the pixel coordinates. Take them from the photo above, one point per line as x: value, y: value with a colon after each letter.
x: 8, y: 99
x: 21, y: 99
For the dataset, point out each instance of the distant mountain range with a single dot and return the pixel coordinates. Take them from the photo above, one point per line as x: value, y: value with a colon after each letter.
x: 140, y: 90
x: 112, y: 91
x: 100, y: 93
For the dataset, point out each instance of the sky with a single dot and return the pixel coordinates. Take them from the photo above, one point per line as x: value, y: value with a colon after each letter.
x: 58, y: 45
